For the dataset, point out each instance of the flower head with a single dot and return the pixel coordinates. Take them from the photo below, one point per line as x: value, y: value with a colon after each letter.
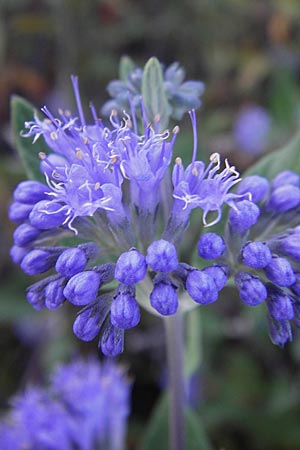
x: 110, y: 187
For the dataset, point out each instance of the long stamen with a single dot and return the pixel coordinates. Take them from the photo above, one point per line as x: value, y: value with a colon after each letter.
x: 74, y: 80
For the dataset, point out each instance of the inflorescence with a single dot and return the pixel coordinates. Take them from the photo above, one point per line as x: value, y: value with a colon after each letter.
x: 86, y: 406
x: 111, y: 188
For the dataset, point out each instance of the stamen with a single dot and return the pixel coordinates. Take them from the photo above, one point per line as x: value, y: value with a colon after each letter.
x: 77, y: 98
x: 53, y: 136
x: 178, y: 160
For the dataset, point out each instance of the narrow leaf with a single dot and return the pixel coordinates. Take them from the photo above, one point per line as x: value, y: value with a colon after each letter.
x: 22, y: 111
x: 126, y: 66
x: 156, y: 436
x: 287, y: 157
x: 154, y: 94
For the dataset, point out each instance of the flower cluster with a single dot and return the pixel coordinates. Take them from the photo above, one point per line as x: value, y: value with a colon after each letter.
x: 182, y: 95
x: 261, y: 249
x: 111, y: 188
x: 85, y: 407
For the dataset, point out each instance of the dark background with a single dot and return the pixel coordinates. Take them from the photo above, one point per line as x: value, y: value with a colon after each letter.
x: 248, y: 53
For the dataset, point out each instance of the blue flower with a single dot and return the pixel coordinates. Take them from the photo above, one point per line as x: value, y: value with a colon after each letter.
x: 108, y: 191
x: 86, y: 406
x: 251, y: 129
x: 263, y: 251
x: 182, y: 95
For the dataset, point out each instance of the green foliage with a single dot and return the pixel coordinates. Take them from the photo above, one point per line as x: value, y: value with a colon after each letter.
x: 154, y: 95
x: 287, y: 157
x: 156, y: 436
x: 22, y: 111
x: 125, y: 67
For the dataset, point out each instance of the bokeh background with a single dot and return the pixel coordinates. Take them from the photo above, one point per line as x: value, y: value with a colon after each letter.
x: 246, y: 390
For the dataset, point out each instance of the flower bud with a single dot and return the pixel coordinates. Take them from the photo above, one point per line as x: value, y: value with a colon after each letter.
x: 17, y: 253
x: 252, y: 291
x: 280, y: 331
x: 124, y: 311
x: 280, y: 271
x: 39, y: 260
x: 280, y: 305
x: 255, y: 184
x: 112, y: 341
x: 163, y: 297
x: 243, y: 216
x: 201, y: 287
x: 162, y: 256
x: 82, y: 288
x: 90, y: 320
x: 35, y: 293
x: 290, y: 246
x: 31, y: 192
x: 54, y: 296
x: 18, y: 212
x: 211, y: 246
x: 285, y: 177
x: 131, y: 267
x: 71, y: 262
x: 46, y: 215
x: 219, y: 273
x: 284, y: 198
x: 25, y: 234
x: 256, y: 255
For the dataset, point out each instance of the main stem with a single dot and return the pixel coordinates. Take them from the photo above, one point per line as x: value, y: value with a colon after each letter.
x: 174, y: 341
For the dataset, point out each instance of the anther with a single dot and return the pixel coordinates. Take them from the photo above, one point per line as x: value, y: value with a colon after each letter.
x: 53, y: 136
x: 79, y: 153
x: 178, y: 160
x: 215, y: 158
x: 97, y: 186
x: 42, y: 155
x: 176, y: 129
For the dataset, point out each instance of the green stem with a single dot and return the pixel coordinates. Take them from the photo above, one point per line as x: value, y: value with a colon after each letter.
x: 174, y: 341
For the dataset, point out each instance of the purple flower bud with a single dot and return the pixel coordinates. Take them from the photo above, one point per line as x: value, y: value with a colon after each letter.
x: 284, y: 198
x: 280, y: 331
x: 201, y: 287
x: 17, y: 253
x: 124, y: 311
x: 54, y: 296
x: 280, y: 305
x: 36, y: 299
x: 243, y: 216
x: 296, y: 286
x: 82, y: 288
x: 30, y: 192
x: 256, y: 255
x: 219, y: 273
x: 35, y: 293
x: 71, y: 262
x: 163, y: 297
x: 280, y: 271
x: 290, y: 246
x: 39, y: 261
x: 90, y: 320
x: 131, y: 267
x: 255, y: 184
x: 285, y: 177
x: 112, y: 341
x: 162, y: 256
x: 25, y: 234
x: 252, y: 291
x: 46, y: 215
x: 18, y: 212
x: 211, y: 246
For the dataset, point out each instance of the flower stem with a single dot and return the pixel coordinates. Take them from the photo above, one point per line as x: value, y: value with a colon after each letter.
x: 174, y: 341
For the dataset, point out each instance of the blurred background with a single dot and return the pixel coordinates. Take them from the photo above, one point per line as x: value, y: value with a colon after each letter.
x: 248, y: 54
